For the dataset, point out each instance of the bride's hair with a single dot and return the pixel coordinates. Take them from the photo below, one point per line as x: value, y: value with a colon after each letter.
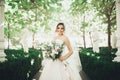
x: 58, y: 25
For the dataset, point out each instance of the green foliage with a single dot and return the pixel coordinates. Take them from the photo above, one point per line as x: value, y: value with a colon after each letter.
x: 106, y: 8
x: 99, y: 66
x: 105, y: 54
x: 24, y: 13
x: 103, y: 8
x: 19, y: 65
x: 79, y: 7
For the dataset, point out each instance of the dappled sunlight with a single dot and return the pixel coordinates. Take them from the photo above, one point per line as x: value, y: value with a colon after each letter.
x: 43, y: 28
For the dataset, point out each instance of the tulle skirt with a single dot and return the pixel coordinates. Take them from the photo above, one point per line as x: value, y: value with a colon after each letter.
x: 57, y: 70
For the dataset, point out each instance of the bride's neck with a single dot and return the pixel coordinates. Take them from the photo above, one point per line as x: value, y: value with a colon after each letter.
x: 60, y: 35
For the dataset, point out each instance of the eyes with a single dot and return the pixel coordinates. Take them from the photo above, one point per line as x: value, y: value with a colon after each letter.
x: 60, y: 28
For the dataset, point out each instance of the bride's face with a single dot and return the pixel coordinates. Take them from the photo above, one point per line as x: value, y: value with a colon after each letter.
x: 60, y: 29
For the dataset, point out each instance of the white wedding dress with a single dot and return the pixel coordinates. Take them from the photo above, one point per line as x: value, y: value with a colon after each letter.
x: 57, y: 70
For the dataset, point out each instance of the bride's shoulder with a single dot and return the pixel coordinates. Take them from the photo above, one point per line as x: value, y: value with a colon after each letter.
x: 65, y: 37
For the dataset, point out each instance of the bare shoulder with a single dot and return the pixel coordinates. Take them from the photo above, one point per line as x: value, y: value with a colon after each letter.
x: 65, y: 38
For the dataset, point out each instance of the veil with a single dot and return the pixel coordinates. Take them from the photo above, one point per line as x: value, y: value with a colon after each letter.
x: 74, y: 60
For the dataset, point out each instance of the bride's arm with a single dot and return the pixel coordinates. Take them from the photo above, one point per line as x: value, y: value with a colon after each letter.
x: 70, y: 51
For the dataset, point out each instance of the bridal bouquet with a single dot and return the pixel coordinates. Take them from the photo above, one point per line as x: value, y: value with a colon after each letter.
x: 53, y: 49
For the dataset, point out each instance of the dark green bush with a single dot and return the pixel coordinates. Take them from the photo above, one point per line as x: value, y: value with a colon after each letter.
x: 100, y: 68
x: 19, y: 64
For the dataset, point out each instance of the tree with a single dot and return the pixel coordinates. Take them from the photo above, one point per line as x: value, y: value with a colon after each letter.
x: 105, y: 8
x: 32, y: 13
x: 82, y: 9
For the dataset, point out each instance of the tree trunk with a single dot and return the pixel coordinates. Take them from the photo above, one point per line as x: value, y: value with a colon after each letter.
x: 8, y: 35
x: 109, y: 32
x: 33, y: 40
x: 91, y: 39
x: 84, y: 39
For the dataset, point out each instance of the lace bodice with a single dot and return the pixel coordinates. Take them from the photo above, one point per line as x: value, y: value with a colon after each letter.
x: 59, y: 41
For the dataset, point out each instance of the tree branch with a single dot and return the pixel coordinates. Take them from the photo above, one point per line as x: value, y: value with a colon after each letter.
x: 112, y: 7
x: 106, y: 10
x: 35, y: 4
x: 113, y: 18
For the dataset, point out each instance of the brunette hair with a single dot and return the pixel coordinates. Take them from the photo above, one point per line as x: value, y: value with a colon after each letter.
x: 58, y: 25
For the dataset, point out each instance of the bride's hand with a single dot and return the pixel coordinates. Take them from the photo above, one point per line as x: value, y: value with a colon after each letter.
x: 61, y: 58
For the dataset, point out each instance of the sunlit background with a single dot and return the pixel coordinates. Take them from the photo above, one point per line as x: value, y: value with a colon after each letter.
x: 73, y: 24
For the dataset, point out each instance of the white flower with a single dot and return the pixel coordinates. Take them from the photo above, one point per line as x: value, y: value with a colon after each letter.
x: 52, y: 54
x: 54, y: 49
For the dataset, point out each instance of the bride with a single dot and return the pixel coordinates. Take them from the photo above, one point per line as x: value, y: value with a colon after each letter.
x: 63, y: 68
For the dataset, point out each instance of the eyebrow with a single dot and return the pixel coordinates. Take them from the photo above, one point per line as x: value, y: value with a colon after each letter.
x: 58, y: 28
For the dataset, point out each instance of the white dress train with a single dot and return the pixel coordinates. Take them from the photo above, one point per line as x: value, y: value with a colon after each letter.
x: 57, y: 70
x: 74, y: 63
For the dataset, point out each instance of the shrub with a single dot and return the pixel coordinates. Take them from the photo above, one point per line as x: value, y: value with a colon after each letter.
x: 20, y: 65
x: 100, y: 66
